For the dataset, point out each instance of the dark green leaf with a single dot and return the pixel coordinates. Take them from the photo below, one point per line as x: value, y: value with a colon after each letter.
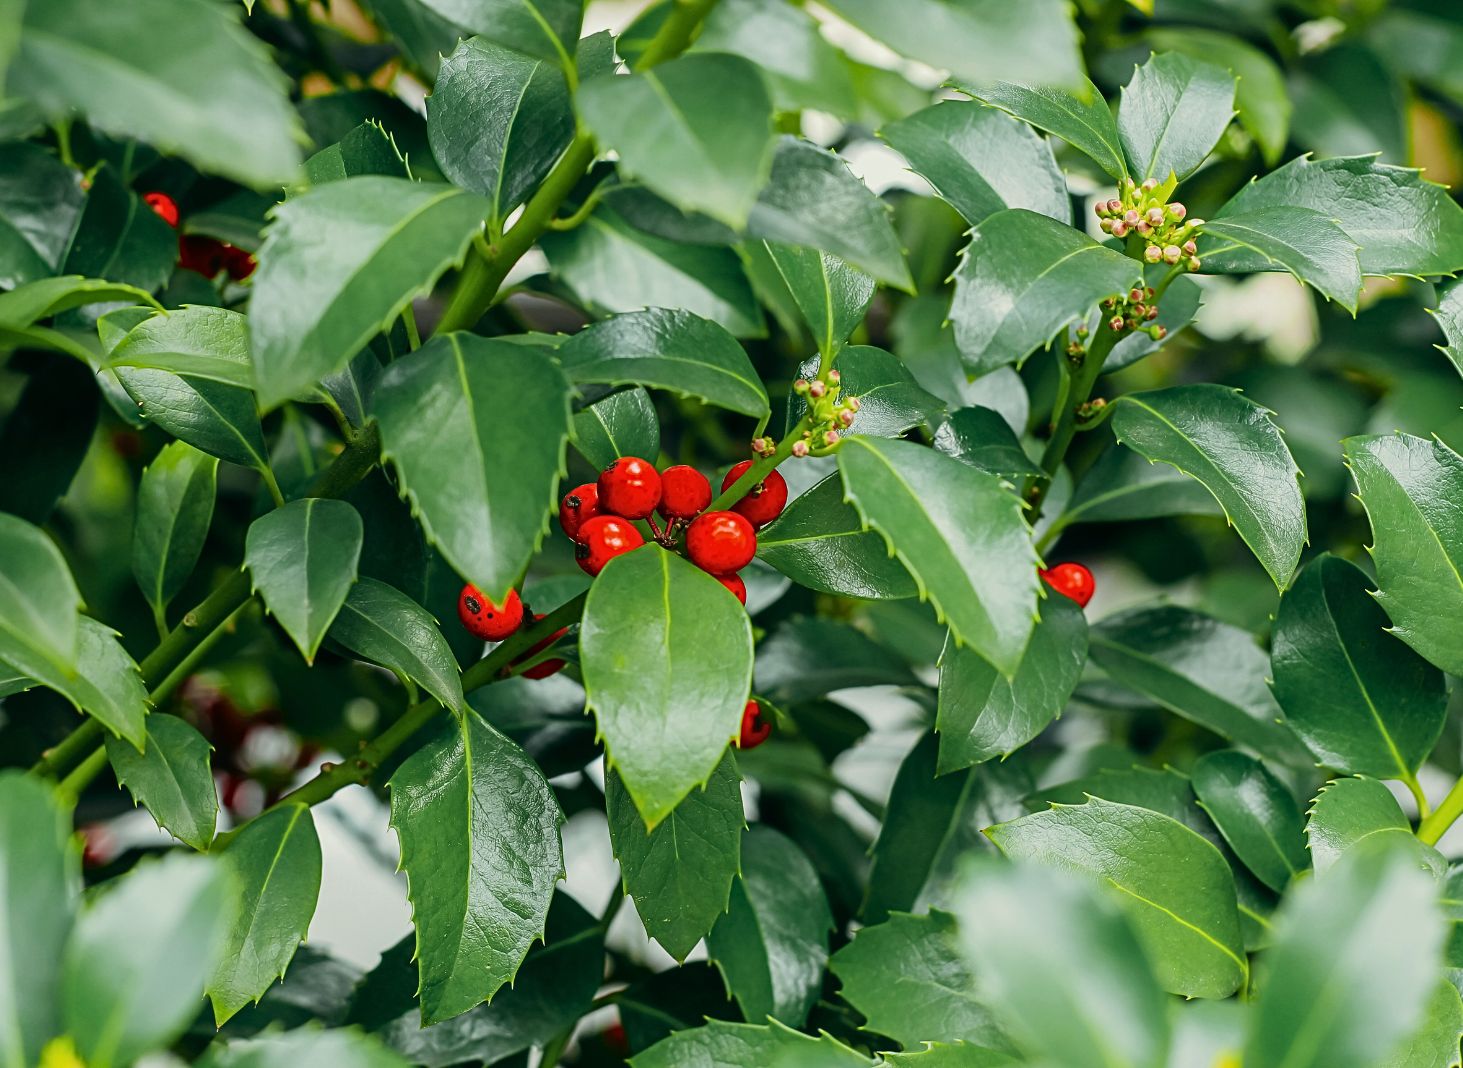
x: 493, y: 407
x: 667, y: 693
x: 172, y: 778
x: 1081, y: 118
x: 982, y: 438
x: 381, y: 624
x: 1256, y: 814
x: 219, y: 419
x: 40, y: 199
x: 1260, y: 96
x: 107, y: 683
x: 44, y: 454
x: 1174, y: 111
x: 39, y: 601
x: 339, y: 1048
x: 802, y: 68
x: 302, y: 558
x: 1286, y: 238
x: 197, y: 342
x: 548, y: 29
x: 622, y: 424
x: 736, y: 1045
x: 941, y: 1055
x: 368, y: 149
x: 772, y: 944
x: 1345, y: 812
x: 120, y: 238
x: 1123, y: 485
x: 680, y: 874
x: 35, y: 301
x: 811, y: 656
x: 174, y: 512
x: 831, y: 295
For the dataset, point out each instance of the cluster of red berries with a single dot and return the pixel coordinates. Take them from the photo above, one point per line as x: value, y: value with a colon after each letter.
x: 206, y: 255
x: 1071, y: 580
x: 1143, y: 210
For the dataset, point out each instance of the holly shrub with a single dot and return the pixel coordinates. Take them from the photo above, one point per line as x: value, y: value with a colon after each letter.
x: 910, y: 533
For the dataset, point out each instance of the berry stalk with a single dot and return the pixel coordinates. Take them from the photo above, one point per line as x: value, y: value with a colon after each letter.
x: 1078, y: 384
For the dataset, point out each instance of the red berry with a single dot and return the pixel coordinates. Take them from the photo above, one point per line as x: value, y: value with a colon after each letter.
x: 721, y: 542
x: 755, y: 728
x: 201, y: 254
x: 164, y: 205
x: 579, y: 505
x: 735, y: 584
x: 548, y: 667
x: 629, y: 487
x: 240, y: 263
x: 766, y: 500
x: 684, y: 492
x: 486, y: 620
x: 603, y: 538
x: 1071, y: 580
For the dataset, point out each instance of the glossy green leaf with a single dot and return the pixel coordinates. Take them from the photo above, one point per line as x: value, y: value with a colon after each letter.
x: 275, y: 860
x: 831, y: 295
x: 667, y: 349
x: 1123, y: 485
x: 1260, y: 96
x: 40, y: 199
x: 1286, y: 238
x: 174, y: 511
x: 890, y: 400
x: 1345, y: 812
x: 196, y: 342
x: 772, y: 945
x: 380, y: 623
x: 668, y: 693
x: 120, y: 238
x: 337, y: 1047
x: 40, y: 628
x: 1021, y: 279
x: 1410, y: 488
x: 982, y: 438
x: 980, y: 161
x: 220, y: 420
x: 104, y: 64
x: 479, y: 832
x: 494, y: 408
x: 548, y: 29
x: 498, y: 119
x: 803, y: 69
x: 696, y: 130
x: 909, y: 981
x: 41, y: 875
x: 959, y: 533
x: 132, y: 975
x: 1256, y: 814
x: 680, y: 874
x: 1360, y: 699
x: 172, y: 778
x: 30, y: 303
x: 367, y: 149
x: 623, y: 424
x: 106, y: 682
x: 1367, y: 934
x: 1449, y: 314
x: 339, y: 263
x: 1064, y: 967
x: 810, y: 656
x: 943, y: 1055
x: 302, y: 559
x: 1435, y: 1043
x: 820, y: 542
x: 1175, y: 886
x: 1232, y: 446
x: 1081, y: 118
x: 735, y: 1045
x: 984, y: 715
x: 1174, y: 111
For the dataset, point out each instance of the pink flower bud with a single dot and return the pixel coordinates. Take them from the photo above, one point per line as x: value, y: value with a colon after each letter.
x: 816, y: 389
x: 1190, y: 247
x: 1131, y: 217
x: 1100, y: 208
x: 851, y: 403
x: 834, y: 377
x: 800, y: 386
x: 1144, y: 228
x: 1157, y: 333
x: 1106, y: 225
x: 1119, y: 228
x: 830, y: 438
x: 1153, y: 253
x: 1140, y: 311
x: 1135, y: 294
x: 1155, y: 216
x: 1172, y: 254
x: 1115, y: 324
x: 1177, y: 210
x: 800, y: 448
x: 1150, y: 184
x: 846, y: 417
x: 1114, y: 207
x: 1194, y: 263
x: 1152, y: 312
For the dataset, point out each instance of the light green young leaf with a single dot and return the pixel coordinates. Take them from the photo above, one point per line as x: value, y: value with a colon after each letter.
x: 29, y: 304
x: 171, y: 777
x: 1449, y: 314
x: 302, y: 559
x: 174, y: 511
x: 1435, y: 1043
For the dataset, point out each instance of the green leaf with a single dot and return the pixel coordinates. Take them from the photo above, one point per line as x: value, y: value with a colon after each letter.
x: 196, y: 342
x: 831, y: 295
x: 983, y: 40
x: 276, y: 864
x: 1174, y: 885
x: 1345, y: 812
x: 667, y: 349
x: 980, y: 161
x: 172, y: 778
x: 40, y: 628
x: 1022, y: 278
x: 548, y: 29
x: 338, y: 1047
x: 696, y: 130
x: 1256, y: 814
x: 1123, y: 486
x: 810, y: 656
x: 1355, y: 957
x: 1260, y: 96
x: 1174, y: 112
x: 30, y: 303
x: 1064, y: 967
x: 983, y: 715
x: 133, y: 971
x: 908, y: 981
x: 1231, y: 445
x: 1080, y: 118
x: 1435, y: 1043
x: 622, y: 424
x: 1410, y: 488
x: 1206, y: 671
x: 1286, y: 238
x: 40, y: 200
x: 802, y: 68
x: 106, y: 684
x: 667, y: 693
x: 680, y: 874
x: 493, y: 407
x: 41, y: 875
x: 367, y: 149
x: 959, y: 533
x: 772, y: 945
x: 940, y: 1055
x: 1403, y: 223
x: 498, y: 120
x: 1360, y: 699
x: 218, y: 419
x: 982, y: 438
x: 174, y: 512
x: 120, y: 238
x: 339, y: 263
x: 104, y: 64
x: 302, y: 558
x: 820, y: 542
x: 479, y: 832
x: 736, y: 1045
x: 1449, y: 314
x: 381, y: 624
x: 890, y: 400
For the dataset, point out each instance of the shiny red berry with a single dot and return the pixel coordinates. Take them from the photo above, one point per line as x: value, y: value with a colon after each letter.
x: 1071, y: 580
x: 603, y: 538
x: 629, y: 487
x: 486, y: 620
x: 579, y: 505
x: 721, y: 542
x: 766, y: 500
x: 684, y: 492
x: 202, y: 254
x: 164, y: 205
x: 548, y: 667
x: 735, y: 584
x: 755, y: 728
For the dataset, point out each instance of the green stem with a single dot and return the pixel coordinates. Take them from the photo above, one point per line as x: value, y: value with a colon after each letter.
x: 413, y: 335
x: 70, y: 788
x: 1079, y: 391
x: 272, y: 484
x: 758, y: 471
x: 1436, y: 824
x: 1415, y: 788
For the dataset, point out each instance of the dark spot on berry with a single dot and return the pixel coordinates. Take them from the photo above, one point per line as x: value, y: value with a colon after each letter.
x: 581, y: 551
x: 573, y: 501
x: 473, y: 606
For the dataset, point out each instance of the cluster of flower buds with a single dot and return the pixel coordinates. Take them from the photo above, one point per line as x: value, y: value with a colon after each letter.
x: 1134, y: 310
x: 1143, y: 210
x: 829, y: 414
